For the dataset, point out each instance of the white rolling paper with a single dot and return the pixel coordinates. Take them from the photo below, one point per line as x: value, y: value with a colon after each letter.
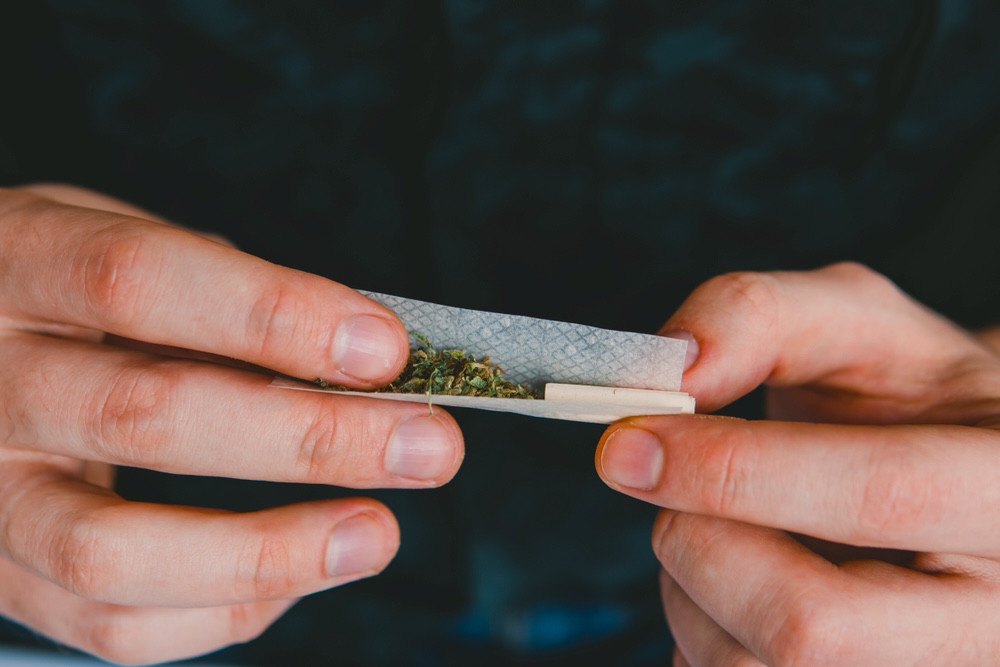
x: 546, y: 353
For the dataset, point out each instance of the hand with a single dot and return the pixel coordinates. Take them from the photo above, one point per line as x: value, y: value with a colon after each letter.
x: 896, y: 483
x: 139, y: 583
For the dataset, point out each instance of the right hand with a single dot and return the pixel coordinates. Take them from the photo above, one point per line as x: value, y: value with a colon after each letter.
x: 136, y: 582
x: 856, y: 525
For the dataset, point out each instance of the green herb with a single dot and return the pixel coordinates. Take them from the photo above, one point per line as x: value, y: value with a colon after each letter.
x: 450, y: 373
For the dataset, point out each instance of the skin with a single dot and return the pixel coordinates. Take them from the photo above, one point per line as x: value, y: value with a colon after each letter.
x: 854, y: 527
x: 858, y: 524
x: 127, y: 340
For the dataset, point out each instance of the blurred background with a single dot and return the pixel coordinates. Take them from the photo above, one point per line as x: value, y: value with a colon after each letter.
x: 587, y: 160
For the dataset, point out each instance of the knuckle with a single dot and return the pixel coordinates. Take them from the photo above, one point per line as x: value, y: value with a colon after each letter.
x: 278, y: 317
x: 113, y: 267
x: 265, y: 570
x: 319, y: 455
x: 83, y: 563
x: 758, y: 291
x: 813, y: 633
x: 129, y: 414
x: 722, y: 469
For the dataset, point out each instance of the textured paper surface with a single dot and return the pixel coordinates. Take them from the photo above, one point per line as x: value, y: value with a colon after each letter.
x: 534, y: 351
x: 537, y: 352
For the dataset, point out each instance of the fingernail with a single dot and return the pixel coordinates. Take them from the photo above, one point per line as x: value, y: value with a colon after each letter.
x: 355, y: 547
x: 421, y: 447
x: 633, y: 458
x: 367, y: 347
x: 693, y: 348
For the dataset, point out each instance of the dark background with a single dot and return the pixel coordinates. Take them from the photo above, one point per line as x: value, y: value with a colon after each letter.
x: 589, y: 161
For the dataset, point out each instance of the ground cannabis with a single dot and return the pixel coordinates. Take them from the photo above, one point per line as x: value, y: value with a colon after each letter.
x: 450, y: 373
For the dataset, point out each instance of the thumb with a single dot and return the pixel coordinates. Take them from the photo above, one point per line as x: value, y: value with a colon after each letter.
x: 843, y: 325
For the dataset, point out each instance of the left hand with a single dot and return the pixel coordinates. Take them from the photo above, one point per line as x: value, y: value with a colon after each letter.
x: 118, y: 340
x: 886, y: 464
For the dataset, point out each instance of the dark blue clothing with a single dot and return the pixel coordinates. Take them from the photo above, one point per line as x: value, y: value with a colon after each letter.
x: 589, y: 161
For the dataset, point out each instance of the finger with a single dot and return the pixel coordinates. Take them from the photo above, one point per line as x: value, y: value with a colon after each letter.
x: 76, y: 196
x: 841, y: 324
x: 177, y: 352
x: 128, y: 635
x: 100, y: 547
x: 692, y: 553
x: 919, y: 488
x: 101, y: 403
x: 82, y: 197
x: 139, y: 279
x: 788, y: 606
x: 700, y: 640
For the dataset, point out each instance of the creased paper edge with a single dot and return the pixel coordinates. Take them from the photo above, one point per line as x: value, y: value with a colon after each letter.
x: 565, y: 410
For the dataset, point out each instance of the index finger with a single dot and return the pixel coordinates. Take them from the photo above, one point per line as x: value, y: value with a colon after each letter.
x: 163, y: 285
